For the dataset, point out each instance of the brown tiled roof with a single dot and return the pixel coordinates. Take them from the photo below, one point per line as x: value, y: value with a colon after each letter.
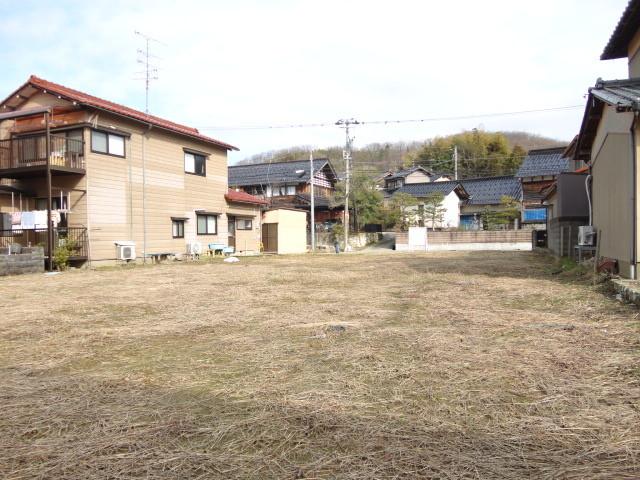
x: 243, y: 197
x: 91, y: 101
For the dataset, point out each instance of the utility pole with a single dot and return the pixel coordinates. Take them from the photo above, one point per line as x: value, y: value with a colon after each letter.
x: 346, y: 155
x: 455, y: 162
x: 313, y: 205
x: 150, y: 71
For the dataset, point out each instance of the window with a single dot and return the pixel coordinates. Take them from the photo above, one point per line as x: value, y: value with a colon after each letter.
x: 41, y: 203
x: 195, y: 164
x: 244, y: 224
x: 177, y: 228
x: 207, y: 224
x: 109, y: 143
x: 281, y: 190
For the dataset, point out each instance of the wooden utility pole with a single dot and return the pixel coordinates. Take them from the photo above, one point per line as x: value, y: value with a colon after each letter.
x: 49, y: 193
x: 313, y: 206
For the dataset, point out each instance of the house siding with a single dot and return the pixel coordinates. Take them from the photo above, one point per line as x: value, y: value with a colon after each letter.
x: 612, y: 193
x: 247, y: 240
x: 116, y: 194
x: 417, y: 177
x: 292, y: 229
x: 634, y: 56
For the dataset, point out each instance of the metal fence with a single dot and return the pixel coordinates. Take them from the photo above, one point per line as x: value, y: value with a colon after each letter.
x: 75, y: 236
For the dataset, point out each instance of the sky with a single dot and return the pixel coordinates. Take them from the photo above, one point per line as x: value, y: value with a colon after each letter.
x: 229, y: 64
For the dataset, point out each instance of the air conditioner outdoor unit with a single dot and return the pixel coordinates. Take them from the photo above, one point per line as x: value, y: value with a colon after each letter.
x: 194, y: 248
x: 125, y: 250
x: 587, y: 235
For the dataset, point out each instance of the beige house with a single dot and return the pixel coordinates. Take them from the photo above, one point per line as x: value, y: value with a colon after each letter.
x: 608, y: 143
x: 244, y: 221
x: 74, y: 167
x: 284, y: 230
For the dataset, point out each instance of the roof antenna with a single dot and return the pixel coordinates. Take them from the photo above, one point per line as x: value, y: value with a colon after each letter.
x: 150, y: 71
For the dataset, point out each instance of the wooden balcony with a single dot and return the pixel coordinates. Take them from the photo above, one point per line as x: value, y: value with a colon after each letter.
x: 27, y: 156
x: 76, y: 236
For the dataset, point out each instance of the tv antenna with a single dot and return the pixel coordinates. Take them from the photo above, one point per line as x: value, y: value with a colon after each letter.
x: 150, y: 71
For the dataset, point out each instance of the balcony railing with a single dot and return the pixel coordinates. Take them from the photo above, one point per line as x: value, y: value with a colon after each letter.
x: 32, y: 152
x: 75, y: 236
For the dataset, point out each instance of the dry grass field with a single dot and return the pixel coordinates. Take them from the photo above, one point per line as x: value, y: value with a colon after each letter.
x: 483, y: 365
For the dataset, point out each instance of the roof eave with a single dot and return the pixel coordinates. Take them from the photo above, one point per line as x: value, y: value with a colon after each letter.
x: 166, y: 129
x: 625, y: 30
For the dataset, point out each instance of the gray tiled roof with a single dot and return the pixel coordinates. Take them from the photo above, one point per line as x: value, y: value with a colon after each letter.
x: 622, y: 93
x: 490, y: 190
x: 545, y: 161
x: 408, y: 171
x: 424, y: 189
x: 275, y: 173
x: 623, y: 33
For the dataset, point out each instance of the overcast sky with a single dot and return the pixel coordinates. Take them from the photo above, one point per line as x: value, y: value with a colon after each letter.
x: 244, y: 63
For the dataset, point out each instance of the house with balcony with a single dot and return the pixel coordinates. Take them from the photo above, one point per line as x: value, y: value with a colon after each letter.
x: 79, y: 170
x: 288, y: 185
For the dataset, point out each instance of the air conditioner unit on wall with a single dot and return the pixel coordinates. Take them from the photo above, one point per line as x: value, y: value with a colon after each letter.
x: 587, y: 235
x: 125, y: 250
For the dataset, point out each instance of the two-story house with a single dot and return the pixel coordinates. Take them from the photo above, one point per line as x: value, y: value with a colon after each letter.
x: 608, y: 142
x: 416, y: 174
x: 539, y: 170
x: 288, y: 185
x: 77, y: 168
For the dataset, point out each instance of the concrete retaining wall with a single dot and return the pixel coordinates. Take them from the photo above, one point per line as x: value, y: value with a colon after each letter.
x: 445, y: 247
x: 417, y: 240
x: 30, y: 260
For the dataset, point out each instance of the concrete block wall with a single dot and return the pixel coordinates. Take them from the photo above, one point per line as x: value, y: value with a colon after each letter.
x: 30, y: 260
x: 563, y: 235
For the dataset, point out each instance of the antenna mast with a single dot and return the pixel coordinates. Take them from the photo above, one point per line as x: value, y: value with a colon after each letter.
x: 150, y: 71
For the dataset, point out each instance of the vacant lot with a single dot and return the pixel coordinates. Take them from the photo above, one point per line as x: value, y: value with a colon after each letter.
x: 482, y: 365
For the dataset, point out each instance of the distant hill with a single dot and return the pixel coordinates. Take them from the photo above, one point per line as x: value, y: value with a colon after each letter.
x: 376, y: 158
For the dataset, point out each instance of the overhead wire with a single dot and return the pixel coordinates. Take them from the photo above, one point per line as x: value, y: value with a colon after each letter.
x: 391, y: 121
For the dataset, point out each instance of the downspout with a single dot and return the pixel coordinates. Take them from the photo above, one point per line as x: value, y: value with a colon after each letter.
x: 144, y: 195
x: 634, y: 185
x: 587, y: 186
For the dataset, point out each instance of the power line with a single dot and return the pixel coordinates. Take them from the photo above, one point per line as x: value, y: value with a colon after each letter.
x: 392, y: 122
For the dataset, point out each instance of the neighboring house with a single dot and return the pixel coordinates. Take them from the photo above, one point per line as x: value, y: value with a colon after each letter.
x: 486, y: 194
x: 453, y: 192
x: 244, y: 213
x: 106, y: 173
x: 417, y: 174
x: 608, y: 141
x: 287, y: 184
x: 567, y: 209
x: 538, y: 171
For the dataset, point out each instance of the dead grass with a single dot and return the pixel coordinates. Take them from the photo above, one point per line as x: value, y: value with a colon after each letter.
x: 448, y: 366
